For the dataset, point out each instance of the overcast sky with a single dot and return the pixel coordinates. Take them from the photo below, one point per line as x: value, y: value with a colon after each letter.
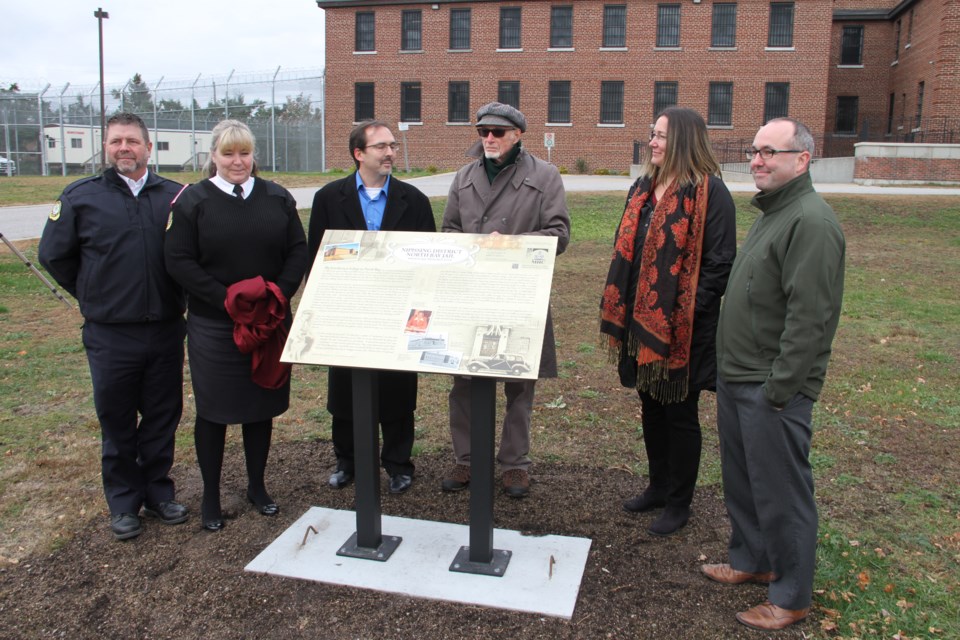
x: 56, y: 41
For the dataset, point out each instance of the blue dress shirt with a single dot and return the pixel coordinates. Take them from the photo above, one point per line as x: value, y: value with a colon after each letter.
x: 372, y: 208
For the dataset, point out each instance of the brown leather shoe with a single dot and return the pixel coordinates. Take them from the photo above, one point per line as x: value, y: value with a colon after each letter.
x: 726, y: 574
x: 516, y: 483
x: 770, y: 617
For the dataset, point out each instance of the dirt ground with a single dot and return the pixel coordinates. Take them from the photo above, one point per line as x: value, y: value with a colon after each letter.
x: 182, y: 582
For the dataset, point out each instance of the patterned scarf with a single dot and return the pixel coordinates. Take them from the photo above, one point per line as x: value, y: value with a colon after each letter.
x: 657, y: 333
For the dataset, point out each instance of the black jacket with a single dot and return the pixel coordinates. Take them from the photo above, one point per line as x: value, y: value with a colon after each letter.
x: 337, y: 206
x: 105, y: 247
x: 719, y: 251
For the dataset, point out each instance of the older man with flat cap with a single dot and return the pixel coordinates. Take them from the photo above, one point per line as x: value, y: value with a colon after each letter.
x: 504, y: 191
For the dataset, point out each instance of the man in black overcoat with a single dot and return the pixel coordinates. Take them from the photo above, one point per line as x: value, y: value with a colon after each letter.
x: 370, y: 200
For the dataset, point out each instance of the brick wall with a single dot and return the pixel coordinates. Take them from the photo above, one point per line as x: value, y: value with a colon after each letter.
x: 811, y: 68
x: 806, y: 67
x: 889, y: 163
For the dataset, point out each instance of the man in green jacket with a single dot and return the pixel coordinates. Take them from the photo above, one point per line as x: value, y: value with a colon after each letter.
x: 777, y: 323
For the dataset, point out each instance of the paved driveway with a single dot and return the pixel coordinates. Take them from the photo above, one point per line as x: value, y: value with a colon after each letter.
x: 21, y: 223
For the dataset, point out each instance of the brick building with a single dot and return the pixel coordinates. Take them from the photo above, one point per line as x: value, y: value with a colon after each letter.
x: 594, y: 72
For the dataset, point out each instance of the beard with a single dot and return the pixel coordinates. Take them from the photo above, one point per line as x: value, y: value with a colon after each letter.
x: 492, y: 155
x: 128, y: 165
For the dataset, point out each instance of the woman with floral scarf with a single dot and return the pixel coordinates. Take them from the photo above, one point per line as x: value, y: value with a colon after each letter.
x: 672, y: 255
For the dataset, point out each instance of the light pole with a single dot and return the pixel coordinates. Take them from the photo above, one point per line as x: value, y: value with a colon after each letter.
x: 100, y: 15
x: 226, y: 96
x: 42, y: 135
x: 273, y: 119
x: 63, y: 148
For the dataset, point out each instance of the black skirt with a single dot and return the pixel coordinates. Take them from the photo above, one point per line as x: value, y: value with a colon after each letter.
x: 223, y: 386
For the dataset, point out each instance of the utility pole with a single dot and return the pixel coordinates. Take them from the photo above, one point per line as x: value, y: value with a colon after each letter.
x: 100, y: 15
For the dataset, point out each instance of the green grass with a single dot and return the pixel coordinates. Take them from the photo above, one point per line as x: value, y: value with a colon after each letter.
x: 29, y: 190
x: 887, y: 426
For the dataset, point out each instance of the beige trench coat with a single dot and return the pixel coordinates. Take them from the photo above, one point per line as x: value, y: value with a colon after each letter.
x: 524, y: 199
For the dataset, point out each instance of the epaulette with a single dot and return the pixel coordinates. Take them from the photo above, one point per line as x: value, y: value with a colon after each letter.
x: 82, y: 181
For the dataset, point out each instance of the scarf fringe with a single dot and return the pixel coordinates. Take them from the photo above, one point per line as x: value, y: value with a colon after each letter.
x: 654, y: 380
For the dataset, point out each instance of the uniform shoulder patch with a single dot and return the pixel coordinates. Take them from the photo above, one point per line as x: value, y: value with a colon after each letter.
x: 170, y: 220
x: 55, y: 212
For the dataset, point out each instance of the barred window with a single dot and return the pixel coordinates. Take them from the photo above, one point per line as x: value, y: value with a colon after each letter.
x: 776, y: 100
x: 611, y: 102
x: 664, y: 95
x: 363, y: 101
x: 724, y: 30
x: 615, y: 25
x: 561, y: 27
x: 460, y: 28
x: 896, y: 40
x: 508, y: 92
x: 847, y: 108
x: 720, y: 104
x: 668, y: 25
x: 458, y: 102
x: 410, y: 31
x: 410, y: 102
x: 890, y: 108
x: 919, y: 117
x: 851, y: 45
x: 558, y: 107
x: 781, y: 25
x: 364, y: 31
x: 509, y: 27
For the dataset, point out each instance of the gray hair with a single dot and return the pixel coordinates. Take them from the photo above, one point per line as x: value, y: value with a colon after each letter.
x: 802, y: 138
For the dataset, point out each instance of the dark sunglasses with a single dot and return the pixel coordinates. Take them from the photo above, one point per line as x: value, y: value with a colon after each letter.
x: 497, y: 133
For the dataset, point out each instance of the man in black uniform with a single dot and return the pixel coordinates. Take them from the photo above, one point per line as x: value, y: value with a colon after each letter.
x: 370, y: 200
x: 104, y: 244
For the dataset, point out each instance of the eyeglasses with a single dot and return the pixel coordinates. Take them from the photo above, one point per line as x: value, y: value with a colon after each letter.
x: 662, y: 137
x: 497, y: 133
x: 382, y: 146
x: 766, y: 153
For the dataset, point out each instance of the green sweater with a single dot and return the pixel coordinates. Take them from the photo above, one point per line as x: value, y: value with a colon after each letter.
x: 782, y: 303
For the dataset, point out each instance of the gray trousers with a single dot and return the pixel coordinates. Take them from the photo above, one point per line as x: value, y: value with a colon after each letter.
x: 768, y: 489
x: 515, y: 437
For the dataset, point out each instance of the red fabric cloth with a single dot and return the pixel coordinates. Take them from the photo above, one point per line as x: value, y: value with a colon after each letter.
x: 258, y: 309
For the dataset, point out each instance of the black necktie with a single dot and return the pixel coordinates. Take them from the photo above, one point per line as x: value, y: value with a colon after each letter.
x: 238, y: 191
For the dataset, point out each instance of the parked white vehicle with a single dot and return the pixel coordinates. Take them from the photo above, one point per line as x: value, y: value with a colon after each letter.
x: 7, y: 167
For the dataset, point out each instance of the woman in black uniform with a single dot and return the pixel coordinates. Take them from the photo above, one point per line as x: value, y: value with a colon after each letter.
x: 236, y: 244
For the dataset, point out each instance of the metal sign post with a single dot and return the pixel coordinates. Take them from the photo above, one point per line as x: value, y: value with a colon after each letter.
x: 403, y: 127
x: 548, y: 141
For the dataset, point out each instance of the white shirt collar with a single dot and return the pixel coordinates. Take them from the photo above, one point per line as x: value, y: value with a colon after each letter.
x: 135, y: 185
x: 227, y: 187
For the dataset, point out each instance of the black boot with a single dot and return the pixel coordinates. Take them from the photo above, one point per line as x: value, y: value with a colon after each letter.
x: 646, y: 501
x: 670, y: 521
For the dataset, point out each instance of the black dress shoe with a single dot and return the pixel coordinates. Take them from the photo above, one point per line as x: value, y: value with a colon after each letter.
x: 340, y: 479
x: 400, y: 482
x: 125, y: 525
x: 215, y: 524
x: 169, y: 512
x: 266, y: 508
x: 646, y: 501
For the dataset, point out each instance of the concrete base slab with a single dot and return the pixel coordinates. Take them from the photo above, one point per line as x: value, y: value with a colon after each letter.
x: 543, y: 575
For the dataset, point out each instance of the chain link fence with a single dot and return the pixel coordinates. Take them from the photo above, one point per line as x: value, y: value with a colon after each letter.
x: 56, y: 131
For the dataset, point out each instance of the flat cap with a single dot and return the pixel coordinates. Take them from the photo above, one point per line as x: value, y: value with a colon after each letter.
x: 497, y: 114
